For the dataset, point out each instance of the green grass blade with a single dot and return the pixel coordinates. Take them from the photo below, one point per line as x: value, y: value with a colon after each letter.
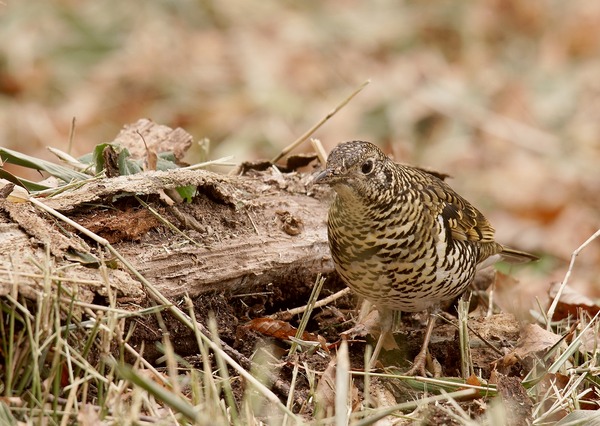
x: 61, y: 172
x: 27, y: 184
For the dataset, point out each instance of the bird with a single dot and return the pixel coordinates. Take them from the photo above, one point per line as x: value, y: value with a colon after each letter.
x: 402, y: 238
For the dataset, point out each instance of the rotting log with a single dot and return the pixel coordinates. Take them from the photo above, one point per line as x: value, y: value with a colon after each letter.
x: 249, y: 230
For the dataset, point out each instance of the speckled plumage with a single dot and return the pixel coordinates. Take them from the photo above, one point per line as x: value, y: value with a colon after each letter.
x: 399, y: 235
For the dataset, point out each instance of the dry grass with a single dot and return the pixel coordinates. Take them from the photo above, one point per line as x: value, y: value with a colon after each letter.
x: 502, y: 94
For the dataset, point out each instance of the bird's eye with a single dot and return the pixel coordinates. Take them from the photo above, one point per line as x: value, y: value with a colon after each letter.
x: 367, y: 167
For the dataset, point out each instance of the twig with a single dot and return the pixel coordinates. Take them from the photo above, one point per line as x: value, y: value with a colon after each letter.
x: 72, y: 134
x: 322, y: 121
x: 411, y: 405
x: 252, y: 222
x: 166, y: 222
x: 318, y: 147
x: 220, y: 161
x: 552, y: 308
x: 463, y: 337
x: 297, y: 311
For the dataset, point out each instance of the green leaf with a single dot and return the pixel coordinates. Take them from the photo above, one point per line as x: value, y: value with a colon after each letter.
x: 127, y: 166
x: 187, y: 192
x: 27, y: 184
x: 167, y: 156
x: 87, y: 158
x: 163, y: 164
x: 98, y: 157
x: 61, y: 172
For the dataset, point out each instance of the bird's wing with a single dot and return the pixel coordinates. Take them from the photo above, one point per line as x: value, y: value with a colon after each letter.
x: 466, y: 223
x: 440, y: 175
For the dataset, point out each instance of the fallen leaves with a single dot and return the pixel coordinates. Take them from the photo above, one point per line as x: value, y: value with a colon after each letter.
x: 282, y: 330
x: 533, y: 342
x: 571, y: 302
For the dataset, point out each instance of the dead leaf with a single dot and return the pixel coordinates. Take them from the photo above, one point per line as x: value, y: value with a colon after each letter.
x: 282, y: 330
x: 535, y: 339
x: 325, y: 392
x: 589, y: 341
x: 151, y: 158
x: 555, y: 384
x: 370, y: 324
x: 473, y: 380
x: 532, y: 344
x: 570, y: 302
x: 111, y: 166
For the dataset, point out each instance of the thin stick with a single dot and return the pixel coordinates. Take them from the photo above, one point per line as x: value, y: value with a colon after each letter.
x: 567, y: 276
x: 318, y: 147
x: 71, y: 135
x: 219, y: 161
x: 411, y: 405
x: 466, y: 363
x: 314, y: 128
x: 297, y: 311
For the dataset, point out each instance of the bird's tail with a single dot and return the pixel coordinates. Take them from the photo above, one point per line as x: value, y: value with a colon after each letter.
x: 511, y: 255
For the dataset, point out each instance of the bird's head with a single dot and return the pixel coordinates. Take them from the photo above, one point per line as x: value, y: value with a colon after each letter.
x: 358, y: 169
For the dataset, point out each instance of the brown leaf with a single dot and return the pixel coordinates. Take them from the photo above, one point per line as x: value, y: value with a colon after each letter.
x: 282, y: 330
x: 88, y: 416
x: 291, y: 225
x: 274, y: 328
x: 554, y: 383
x: 589, y: 341
x: 473, y: 380
x: 370, y: 324
x: 570, y: 302
x: 533, y: 341
x: 111, y: 166
x: 325, y: 392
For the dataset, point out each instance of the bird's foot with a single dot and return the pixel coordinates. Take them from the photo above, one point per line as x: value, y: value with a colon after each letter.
x: 425, y: 366
x: 418, y: 367
x: 367, y: 325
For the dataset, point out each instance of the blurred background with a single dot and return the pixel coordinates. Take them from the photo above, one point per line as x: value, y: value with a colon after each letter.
x: 504, y: 95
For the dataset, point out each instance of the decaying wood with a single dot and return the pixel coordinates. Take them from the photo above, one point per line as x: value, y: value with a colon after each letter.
x: 256, y: 230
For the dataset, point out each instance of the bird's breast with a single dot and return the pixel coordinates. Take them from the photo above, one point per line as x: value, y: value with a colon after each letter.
x: 396, y: 258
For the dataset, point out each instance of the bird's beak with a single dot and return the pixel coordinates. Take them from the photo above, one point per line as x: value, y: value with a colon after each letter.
x: 322, y: 177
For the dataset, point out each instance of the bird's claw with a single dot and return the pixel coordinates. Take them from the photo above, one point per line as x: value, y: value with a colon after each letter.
x: 418, y: 367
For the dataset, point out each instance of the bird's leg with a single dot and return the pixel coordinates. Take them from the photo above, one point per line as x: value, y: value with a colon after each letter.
x: 418, y: 367
x: 386, y: 322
